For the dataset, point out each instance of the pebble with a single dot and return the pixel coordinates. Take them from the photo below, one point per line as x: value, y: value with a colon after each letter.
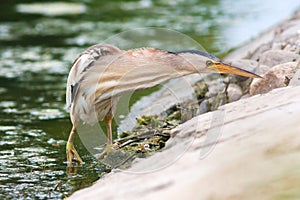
x: 234, y: 92
x: 293, y: 47
x: 215, y: 87
x: 203, y: 108
x: 278, y: 76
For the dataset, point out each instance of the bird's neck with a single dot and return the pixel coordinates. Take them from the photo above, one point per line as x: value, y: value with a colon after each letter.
x: 161, y: 61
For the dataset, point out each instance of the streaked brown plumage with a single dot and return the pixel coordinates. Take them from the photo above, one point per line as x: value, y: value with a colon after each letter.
x: 102, y: 73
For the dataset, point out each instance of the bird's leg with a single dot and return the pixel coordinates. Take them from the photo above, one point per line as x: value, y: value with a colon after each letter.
x: 70, y: 149
x: 108, y: 121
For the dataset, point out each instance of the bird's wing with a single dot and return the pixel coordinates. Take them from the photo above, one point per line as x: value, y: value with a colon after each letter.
x: 77, y: 69
x: 82, y: 65
x: 117, y: 74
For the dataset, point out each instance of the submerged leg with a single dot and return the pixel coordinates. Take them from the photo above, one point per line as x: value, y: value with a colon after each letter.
x: 108, y: 121
x: 70, y: 149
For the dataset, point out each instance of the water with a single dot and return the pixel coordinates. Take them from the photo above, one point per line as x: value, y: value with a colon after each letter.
x: 38, y: 43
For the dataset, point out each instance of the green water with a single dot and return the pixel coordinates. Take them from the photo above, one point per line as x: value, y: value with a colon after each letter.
x: 38, y: 43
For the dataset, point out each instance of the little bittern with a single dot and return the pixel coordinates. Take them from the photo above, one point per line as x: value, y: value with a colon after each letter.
x: 102, y: 73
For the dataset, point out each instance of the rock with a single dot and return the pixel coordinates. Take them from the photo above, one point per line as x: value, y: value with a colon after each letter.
x: 263, y: 48
x: 291, y: 31
x: 234, y: 92
x: 262, y: 69
x: 248, y: 149
x: 276, y: 57
x: 203, y: 108
x: 278, y: 76
x: 215, y: 87
x: 296, y: 15
x: 295, y: 81
x: 189, y: 110
x: 201, y: 89
x: 245, y: 96
x: 215, y: 96
x: 292, y: 44
x: 216, y: 101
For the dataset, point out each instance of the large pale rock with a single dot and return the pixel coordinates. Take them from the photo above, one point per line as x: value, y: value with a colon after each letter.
x: 295, y: 81
x: 276, y: 57
x: 248, y: 149
x: 278, y: 76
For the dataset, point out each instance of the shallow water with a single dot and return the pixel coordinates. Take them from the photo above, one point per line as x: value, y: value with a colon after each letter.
x: 38, y: 43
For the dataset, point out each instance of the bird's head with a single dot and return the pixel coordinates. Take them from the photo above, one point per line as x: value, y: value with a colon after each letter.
x: 205, y: 62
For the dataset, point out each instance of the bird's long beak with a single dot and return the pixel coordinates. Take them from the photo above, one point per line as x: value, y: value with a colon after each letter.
x: 228, y: 69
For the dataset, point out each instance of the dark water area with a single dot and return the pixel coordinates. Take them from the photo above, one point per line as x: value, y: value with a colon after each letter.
x: 39, y: 41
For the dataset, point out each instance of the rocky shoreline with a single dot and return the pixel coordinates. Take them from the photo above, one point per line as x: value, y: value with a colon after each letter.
x: 247, y: 149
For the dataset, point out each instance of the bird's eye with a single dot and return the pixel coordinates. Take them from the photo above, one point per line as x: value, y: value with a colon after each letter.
x: 209, y: 63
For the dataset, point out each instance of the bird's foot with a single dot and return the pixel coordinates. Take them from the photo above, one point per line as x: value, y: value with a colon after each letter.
x: 71, y: 153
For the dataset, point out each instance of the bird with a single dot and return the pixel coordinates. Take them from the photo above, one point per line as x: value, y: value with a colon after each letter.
x: 103, y: 72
